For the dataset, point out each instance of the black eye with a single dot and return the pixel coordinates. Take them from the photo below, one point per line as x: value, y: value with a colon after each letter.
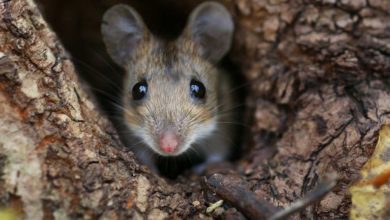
x: 197, y: 89
x: 139, y: 90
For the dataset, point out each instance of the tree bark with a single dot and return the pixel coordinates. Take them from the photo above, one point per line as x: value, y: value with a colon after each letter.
x: 319, y: 73
x: 59, y: 157
x: 318, y: 92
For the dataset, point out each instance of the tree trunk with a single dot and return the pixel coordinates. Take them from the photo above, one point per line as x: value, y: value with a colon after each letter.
x: 59, y: 157
x: 318, y: 92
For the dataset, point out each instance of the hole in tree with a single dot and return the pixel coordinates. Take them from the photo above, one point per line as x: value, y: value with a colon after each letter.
x: 77, y: 23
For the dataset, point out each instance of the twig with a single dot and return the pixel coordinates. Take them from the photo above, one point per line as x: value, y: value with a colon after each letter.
x: 318, y: 193
x: 255, y: 208
x: 244, y: 200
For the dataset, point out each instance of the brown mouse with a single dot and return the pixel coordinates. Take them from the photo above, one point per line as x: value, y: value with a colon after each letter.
x: 175, y: 98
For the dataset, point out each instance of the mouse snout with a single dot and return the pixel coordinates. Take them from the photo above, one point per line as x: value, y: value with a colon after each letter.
x: 169, y: 141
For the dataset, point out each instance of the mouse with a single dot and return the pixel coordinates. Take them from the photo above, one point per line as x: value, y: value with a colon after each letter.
x: 175, y: 98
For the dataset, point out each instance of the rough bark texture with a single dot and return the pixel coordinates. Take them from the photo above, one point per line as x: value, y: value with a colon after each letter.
x: 59, y: 157
x: 318, y: 83
x: 319, y: 73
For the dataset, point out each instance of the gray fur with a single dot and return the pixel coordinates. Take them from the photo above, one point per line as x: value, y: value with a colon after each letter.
x: 211, y: 27
x: 123, y: 30
x: 168, y: 68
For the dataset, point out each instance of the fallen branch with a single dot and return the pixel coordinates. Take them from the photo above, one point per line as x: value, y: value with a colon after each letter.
x: 230, y: 188
x: 317, y: 194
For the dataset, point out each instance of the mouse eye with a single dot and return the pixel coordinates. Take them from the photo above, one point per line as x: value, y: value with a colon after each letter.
x: 197, y: 89
x: 139, y: 90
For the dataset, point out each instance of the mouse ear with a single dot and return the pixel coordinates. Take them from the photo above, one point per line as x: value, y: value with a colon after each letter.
x: 122, y: 29
x: 211, y: 27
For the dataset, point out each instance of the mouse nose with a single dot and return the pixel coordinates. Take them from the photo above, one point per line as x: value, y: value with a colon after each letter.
x: 169, y: 141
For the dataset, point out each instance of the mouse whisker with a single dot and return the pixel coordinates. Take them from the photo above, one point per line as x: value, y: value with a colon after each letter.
x: 106, y: 94
x: 98, y: 73
x: 233, y: 123
x: 98, y: 54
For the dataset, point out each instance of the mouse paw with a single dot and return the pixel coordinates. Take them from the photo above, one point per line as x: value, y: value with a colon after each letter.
x: 201, y: 168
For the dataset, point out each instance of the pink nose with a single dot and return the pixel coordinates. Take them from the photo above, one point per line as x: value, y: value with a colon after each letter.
x: 169, y: 141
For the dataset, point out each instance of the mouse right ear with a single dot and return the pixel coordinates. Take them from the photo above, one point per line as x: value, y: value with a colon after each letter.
x: 122, y: 29
x: 211, y: 27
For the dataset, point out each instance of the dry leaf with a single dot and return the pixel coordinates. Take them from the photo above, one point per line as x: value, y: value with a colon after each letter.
x: 371, y: 195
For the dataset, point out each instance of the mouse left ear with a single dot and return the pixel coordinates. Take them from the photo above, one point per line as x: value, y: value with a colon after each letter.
x: 123, y: 30
x: 211, y: 26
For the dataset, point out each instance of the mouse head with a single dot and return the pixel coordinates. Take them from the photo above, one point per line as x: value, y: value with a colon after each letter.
x: 170, y: 90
